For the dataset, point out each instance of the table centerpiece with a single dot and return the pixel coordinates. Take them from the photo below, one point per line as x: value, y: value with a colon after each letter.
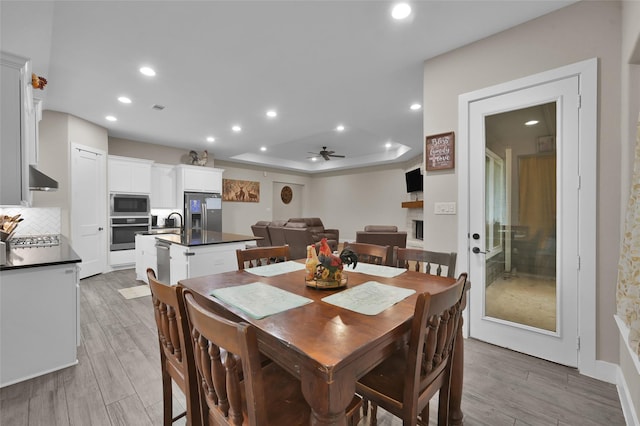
x: 325, y: 270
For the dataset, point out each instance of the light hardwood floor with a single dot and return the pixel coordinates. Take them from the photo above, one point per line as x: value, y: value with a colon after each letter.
x: 117, y: 381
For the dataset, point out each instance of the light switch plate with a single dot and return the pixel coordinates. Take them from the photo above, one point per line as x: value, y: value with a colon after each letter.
x: 445, y: 208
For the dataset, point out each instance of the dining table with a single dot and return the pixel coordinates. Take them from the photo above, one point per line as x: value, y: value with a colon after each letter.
x: 329, y: 347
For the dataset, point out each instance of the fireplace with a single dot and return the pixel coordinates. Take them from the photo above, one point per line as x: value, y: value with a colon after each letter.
x: 418, y: 229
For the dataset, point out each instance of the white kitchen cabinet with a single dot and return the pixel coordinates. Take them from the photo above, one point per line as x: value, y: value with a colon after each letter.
x: 16, y: 121
x: 40, y: 319
x: 146, y: 256
x: 129, y: 175
x: 198, y: 179
x: 163, y: 187
x: 190, y: 262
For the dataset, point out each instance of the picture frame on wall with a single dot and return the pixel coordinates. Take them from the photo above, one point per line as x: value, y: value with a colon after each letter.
x: 440, y: 151
x: 244, y: 191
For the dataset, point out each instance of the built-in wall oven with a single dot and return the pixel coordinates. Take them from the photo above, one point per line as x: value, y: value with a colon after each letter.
x: 124, y: 230
x: 130, y: 204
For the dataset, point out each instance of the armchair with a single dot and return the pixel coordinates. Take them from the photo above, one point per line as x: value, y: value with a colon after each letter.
x: 260, y: 229
x: 383, y: 235
x: 276, y: 232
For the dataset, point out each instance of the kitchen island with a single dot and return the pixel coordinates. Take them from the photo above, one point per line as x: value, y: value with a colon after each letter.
x: 197, y: 253
x: 39, y: 311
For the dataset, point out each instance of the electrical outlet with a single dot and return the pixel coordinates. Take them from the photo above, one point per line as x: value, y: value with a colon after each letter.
x: 444, y: 208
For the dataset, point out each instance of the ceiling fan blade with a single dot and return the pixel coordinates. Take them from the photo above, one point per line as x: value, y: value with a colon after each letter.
x: 337, y: 156
x: 325, y: 156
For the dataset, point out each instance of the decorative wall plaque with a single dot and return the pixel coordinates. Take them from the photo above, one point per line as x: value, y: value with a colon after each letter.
x: 286, y: 194
x: 440, y: 151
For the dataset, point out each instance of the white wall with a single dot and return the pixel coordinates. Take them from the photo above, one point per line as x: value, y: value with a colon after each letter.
x: 347, y: 200
x: 581, y: 31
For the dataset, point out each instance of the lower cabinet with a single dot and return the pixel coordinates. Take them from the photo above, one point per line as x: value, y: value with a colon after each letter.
x: 39, y: 321
x: 190, y: 262
x: 146, y: 256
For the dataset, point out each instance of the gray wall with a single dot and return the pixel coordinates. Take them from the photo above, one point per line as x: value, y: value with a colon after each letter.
x: 578, y: 32
x: 57, y: 131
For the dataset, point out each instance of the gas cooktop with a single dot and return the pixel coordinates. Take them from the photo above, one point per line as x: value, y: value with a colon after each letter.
x: 36, y: 241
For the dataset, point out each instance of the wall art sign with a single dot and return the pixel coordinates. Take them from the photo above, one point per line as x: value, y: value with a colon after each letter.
x: 240, y: 190
x: 440, y: 151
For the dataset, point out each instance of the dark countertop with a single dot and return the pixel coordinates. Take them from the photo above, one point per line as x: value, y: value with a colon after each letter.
x: 195, y: 238
x: 31, y: 257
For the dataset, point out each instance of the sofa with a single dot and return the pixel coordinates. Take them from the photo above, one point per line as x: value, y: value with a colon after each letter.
x: 383, y: 235
x: 316, y: 227
x: 298, y: 233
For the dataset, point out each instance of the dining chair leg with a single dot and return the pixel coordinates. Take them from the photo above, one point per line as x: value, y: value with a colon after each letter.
x: 424, y: 416
x: 373, y: 420
x: 167, y: 399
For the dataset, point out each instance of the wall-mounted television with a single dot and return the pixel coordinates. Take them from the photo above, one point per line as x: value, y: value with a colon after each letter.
x: 414, y: 180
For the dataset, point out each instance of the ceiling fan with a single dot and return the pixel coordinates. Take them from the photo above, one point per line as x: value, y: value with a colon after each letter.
x: 325, y: 154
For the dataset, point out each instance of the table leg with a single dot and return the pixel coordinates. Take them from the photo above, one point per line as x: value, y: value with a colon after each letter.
x: 455, y: 397
x: 328, y: 401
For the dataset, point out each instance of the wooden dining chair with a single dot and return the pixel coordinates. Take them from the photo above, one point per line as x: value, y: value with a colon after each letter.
x: 433, y: 261
x: 175, y: 350
x: 369, y: 253
x: 406, y: 381
x: 235, y: 387
x: 257, y: 256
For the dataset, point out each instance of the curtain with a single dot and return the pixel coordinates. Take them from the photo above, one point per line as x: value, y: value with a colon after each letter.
x: 628, y: 290
x: 537, y: 192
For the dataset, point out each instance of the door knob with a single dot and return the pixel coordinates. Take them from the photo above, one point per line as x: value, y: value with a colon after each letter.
x: 100, y: 229
x: 476, y: 250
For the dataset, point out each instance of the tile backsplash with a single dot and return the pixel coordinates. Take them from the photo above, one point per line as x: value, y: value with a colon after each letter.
x: 37, y: 221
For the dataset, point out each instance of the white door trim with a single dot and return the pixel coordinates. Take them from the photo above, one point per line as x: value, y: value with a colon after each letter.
x: 587, y: 72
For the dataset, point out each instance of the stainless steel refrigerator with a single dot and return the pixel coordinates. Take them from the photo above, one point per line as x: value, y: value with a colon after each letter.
x: 202, y: 211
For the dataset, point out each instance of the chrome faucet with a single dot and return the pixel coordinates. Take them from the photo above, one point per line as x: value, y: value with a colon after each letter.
x: 181, y: 221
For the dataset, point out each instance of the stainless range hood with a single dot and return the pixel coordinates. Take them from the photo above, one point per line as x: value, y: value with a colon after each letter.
x: 38, y: 181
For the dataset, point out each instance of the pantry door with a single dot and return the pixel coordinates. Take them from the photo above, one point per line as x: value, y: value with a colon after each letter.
x: 89, y: 209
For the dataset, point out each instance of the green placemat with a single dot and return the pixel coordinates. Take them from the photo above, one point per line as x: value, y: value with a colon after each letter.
x: 369, y: 298
x: 379, y: 270
x: 275, y: 268
x: 259, y: 300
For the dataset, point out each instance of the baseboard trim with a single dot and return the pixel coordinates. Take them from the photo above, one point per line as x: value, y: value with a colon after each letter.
x: 630, y: 415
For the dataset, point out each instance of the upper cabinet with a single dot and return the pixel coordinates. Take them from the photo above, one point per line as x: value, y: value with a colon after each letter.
x: 129, y: 175
x: 163, y: 187
x: 198, y: 179
x: 17, y: 121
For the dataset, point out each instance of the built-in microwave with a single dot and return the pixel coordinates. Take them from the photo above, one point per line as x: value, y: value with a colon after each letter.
x: 130, y: 205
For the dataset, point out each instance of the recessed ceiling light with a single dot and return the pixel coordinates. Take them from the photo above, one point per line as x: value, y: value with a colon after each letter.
x: 387, y: 145
x: 314, y: 159
x: 531, y: 122
x: 263, y: 148
x: 340, y: 128
x: 401, y: 11
x: 236, y: 128
x: 147, y: 71
x: 415, y: 107
x: 111, y: 118
x: 211, y: 139
x: 272, y: 113
x: 124, y: 100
